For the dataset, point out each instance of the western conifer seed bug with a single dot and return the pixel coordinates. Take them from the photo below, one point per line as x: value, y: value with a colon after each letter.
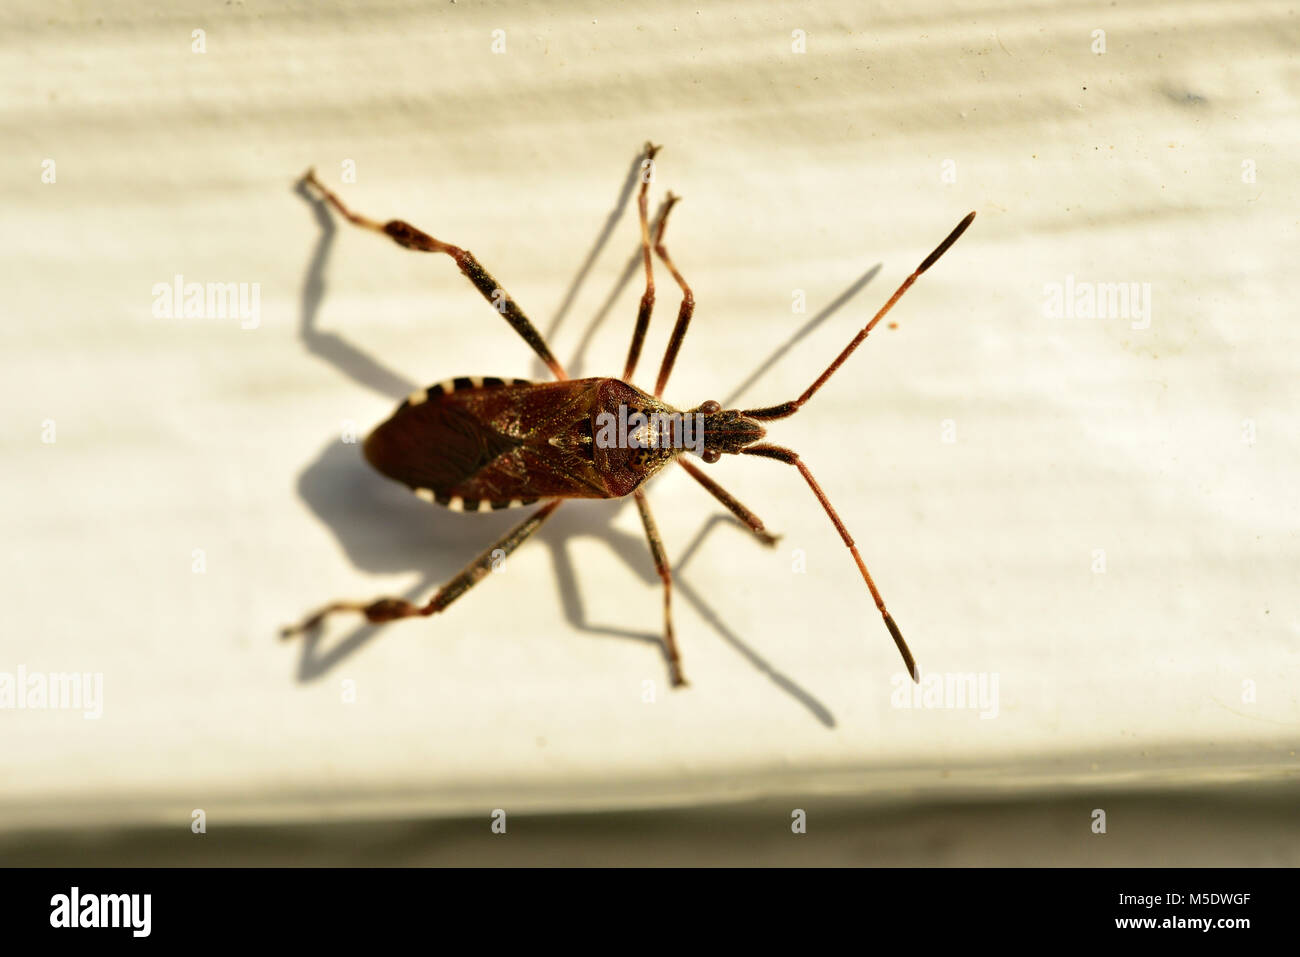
x: 478, y: 443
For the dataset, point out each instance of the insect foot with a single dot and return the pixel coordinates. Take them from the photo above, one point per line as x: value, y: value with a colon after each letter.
x: 377, y: 612
x: 388, y: 609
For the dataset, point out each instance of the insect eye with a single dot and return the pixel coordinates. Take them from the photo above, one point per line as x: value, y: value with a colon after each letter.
x: 710, y: 455
x: 709, y: 407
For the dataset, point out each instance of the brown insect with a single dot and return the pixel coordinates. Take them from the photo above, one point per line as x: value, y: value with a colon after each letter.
x: 481, y: 443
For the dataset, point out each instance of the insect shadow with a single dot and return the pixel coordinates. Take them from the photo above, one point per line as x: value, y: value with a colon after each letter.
x: 384, y: 529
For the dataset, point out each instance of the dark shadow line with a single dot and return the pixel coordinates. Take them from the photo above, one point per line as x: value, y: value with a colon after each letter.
x: 630, y: 269
x: 719, y: 518
x: 834, y: 306
x: 335, y: 350
x: 602, y: 239
x: 571, y: 597
x: 759, y: 663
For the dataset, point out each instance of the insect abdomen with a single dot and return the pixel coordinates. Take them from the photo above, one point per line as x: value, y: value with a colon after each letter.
x: 482, y: 443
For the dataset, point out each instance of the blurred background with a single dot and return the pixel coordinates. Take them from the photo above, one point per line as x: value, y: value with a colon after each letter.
x: 1070, y: 467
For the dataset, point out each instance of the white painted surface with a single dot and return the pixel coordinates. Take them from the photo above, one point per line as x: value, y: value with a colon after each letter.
x: 799, y: 172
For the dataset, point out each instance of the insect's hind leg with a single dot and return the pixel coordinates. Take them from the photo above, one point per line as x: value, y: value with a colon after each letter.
x: 732, y: 504
x: 390, y: 609
x: 404, y: 234
x: 666, y: 575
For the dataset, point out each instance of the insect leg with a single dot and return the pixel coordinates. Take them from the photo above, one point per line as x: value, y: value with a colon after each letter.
x: 735, y: 507
x: 684, y: 312
x: 792, y: 458
x: 390, y: 609
x: 666, y: 575
x: 648, y: 297
x: 404, y: 234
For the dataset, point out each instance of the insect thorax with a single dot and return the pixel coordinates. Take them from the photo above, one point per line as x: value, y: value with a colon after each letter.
x: 633, y: 435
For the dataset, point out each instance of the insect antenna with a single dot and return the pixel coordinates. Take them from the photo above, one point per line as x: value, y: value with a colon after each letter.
x: 791, y: 457
x: 790, y: 408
